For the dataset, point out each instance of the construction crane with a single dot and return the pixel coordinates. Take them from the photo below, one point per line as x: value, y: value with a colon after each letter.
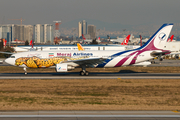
x: 18, y: 19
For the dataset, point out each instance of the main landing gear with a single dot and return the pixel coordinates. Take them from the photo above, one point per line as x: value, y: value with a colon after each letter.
x: 25, y: 72
x: 84, y: 72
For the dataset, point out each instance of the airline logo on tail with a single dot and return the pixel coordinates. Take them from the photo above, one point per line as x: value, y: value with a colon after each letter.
x: 126, y: 40
x: 80, y: 48
x: 162, y: 36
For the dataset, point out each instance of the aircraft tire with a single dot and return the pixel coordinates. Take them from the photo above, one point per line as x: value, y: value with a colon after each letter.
x: 152, y: 62
x: 161, y: 59
x: 82, y: 73
x: 87, y: 73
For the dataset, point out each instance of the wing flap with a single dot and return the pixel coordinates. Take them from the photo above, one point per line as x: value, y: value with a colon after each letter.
x: 91, y: 62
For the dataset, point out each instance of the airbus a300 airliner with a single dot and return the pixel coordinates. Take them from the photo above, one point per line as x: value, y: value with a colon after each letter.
x: 63, y: 61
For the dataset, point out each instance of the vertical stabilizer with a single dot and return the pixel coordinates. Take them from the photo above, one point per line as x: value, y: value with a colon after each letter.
x: 158, y: 40
x: 126, y: 40
x: 83, y: 37
x: 80, y: 48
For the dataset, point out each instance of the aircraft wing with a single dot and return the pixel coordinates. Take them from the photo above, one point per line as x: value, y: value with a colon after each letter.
x: 7, y: 53
x: 160, y: 53
x: 91, y: 62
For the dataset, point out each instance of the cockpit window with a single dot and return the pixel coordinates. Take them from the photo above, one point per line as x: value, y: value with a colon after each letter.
x: 12, y: 56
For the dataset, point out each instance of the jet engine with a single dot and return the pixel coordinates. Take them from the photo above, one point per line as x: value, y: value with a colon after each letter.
x: 176, y: 56
x: 63, y: 67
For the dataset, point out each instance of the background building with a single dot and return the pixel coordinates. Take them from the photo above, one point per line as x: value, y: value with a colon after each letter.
x: 38, y: 33
x: 23, y: 32
x: 92, y: 31
x: 28, y: 32
x: 43, y: 33
x: 84, y: 27
x: 7, y: 32
x: 12, y: 32
x: 48, y: 33
x: 80, y: 29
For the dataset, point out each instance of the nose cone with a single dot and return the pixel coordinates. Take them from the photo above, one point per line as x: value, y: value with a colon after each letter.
x: 10, y: 61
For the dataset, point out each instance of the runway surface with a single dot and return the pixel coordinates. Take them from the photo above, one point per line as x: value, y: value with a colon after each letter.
x: 89, y: 115
x: 75, y: 75
x: 99, y: 75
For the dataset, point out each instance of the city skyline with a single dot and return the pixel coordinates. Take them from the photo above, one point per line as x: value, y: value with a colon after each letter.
x: 114, y: 15
x: 148, y: 31
x: 40, y: 33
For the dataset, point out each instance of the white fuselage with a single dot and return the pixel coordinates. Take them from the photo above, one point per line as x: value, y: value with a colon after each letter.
x: 112, y: 58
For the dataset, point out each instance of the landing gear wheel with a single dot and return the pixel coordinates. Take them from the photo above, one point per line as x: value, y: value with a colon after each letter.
x: 82, y: 73
x: 86, y: 73
x: 152, y: 62
x: 160, y: 59
x: 25, y: 72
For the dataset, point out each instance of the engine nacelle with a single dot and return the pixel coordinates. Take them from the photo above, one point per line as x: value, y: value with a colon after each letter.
x: 63, y: 67
x: 160, y: 59
x: 177, y: 56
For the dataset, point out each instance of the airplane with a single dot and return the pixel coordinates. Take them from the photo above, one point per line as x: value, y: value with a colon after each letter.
x: 63, y: 61
x: 89, y: 40
x: 120, y: 40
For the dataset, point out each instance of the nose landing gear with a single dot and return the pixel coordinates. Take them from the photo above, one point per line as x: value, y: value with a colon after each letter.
x: 25, y: 72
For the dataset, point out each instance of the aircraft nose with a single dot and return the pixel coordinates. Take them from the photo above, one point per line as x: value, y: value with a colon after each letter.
x: 9, y: 61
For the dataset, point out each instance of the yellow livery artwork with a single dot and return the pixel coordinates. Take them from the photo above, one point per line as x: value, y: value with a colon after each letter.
x: 35, y: 62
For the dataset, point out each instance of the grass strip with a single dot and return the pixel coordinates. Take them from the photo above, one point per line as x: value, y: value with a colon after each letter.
x: 90, y: 94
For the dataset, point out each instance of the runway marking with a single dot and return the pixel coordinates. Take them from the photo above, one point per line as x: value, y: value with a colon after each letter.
x: 176, y: 111
x: 90, y: 77
x: 89, y: 116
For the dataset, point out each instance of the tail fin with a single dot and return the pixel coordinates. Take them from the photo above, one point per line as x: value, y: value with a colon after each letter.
x: 4, y: 42
x: 171, y: 38
x: 158, y: 40
x: 31, y: 43
x: 98, y: 38
x: 83, y: 37
x: 126, y: 40
x: 80, y: 48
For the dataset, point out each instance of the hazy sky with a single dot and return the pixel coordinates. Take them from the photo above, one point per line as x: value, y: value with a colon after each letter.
x: 125, y: 12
